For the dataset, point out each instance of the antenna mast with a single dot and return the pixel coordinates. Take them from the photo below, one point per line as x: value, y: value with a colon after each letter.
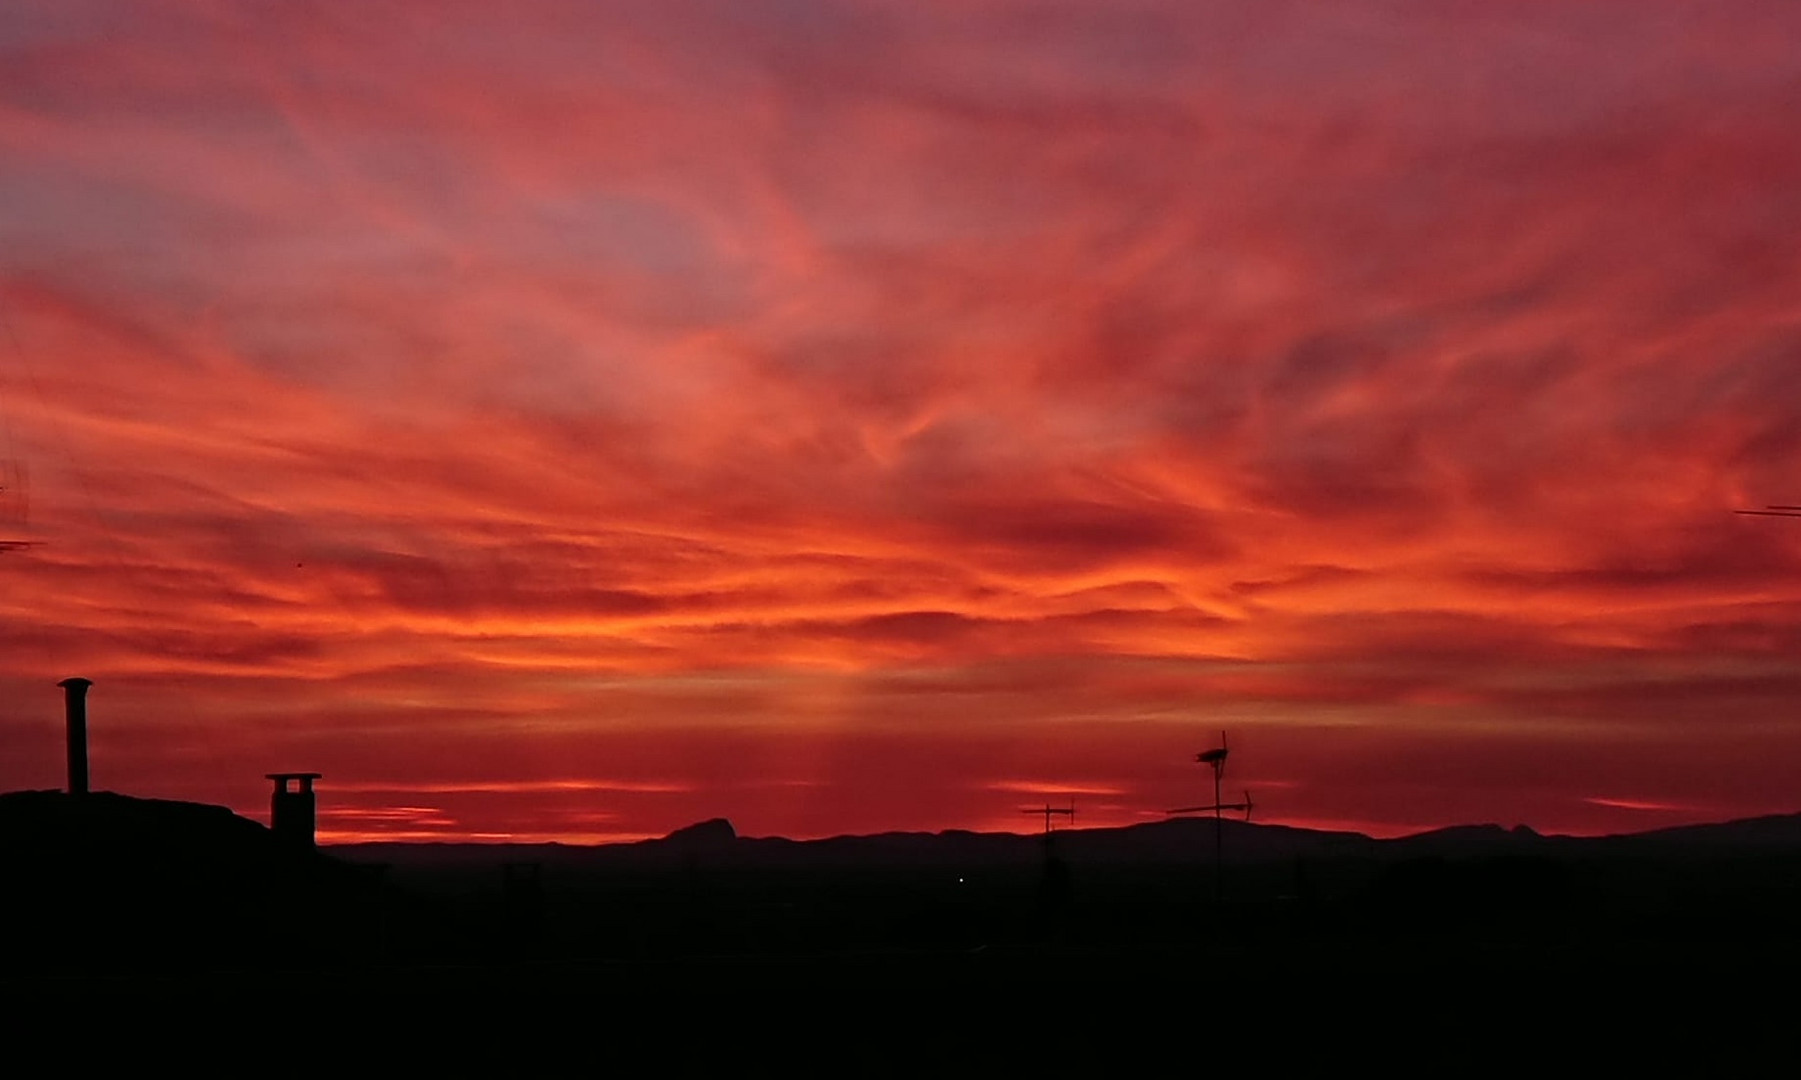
x: 1053, y: 887
x: 1216, y: 758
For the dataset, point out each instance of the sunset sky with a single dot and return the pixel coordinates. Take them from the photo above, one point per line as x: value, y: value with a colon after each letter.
x: 570, y: 420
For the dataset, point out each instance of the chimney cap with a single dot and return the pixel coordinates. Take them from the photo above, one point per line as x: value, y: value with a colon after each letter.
x: 292, y: 776
x: 77, y: 683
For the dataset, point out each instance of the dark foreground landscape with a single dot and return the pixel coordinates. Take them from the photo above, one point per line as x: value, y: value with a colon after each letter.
x: 921, y: 943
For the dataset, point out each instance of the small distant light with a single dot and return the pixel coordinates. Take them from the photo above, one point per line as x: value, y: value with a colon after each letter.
x: 959, y: 881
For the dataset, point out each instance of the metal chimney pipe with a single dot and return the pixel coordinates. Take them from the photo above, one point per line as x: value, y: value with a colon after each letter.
x: 75, y: 707
x: 291, y: 812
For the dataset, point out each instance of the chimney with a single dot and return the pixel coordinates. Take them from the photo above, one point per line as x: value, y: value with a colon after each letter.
x: 75, y: 707
x: 290, y: 810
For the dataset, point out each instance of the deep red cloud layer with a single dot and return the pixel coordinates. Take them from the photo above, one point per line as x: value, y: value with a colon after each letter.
x: 570, y: 420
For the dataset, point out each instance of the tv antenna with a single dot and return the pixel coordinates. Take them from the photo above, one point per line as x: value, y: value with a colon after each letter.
x: 1216, y: 759
x: 1053, y: 887
x: 1050, y: 812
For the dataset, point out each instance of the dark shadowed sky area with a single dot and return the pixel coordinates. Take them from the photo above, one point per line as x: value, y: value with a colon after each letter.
x: 570, y: 420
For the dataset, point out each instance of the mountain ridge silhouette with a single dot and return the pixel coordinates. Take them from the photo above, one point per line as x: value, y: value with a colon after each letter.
x: 42, y: 821
x: 1174, y: 840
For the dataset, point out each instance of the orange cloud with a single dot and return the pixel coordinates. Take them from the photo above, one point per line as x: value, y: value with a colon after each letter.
x: 1639, y: 804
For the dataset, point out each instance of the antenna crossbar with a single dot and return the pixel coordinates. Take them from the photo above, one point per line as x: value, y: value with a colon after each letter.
x: 1049, y: 811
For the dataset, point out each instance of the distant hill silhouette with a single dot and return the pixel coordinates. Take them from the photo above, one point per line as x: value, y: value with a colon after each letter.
x: 1776, y: 832
x: 711, y: 836
x: 1179, y: 840
x: 1174, y: 841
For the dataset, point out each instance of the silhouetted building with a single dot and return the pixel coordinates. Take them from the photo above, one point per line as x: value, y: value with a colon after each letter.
x: 291, y: 809
x: 75, y: 707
